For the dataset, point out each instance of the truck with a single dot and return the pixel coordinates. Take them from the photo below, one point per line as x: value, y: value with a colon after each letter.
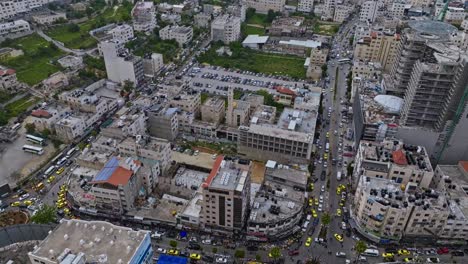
x: 338, y: 175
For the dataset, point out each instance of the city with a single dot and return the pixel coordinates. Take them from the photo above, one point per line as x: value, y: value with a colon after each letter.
x: 243, y: 131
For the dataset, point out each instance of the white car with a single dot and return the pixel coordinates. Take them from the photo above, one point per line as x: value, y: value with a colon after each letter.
x: 433, y: 260
x: 24, y: 197
x: 206, y: 241
x: 340, y: 254
x: 221, y: 260
x: 162, y: 250
x: 322, y: 189
x: 320, y: 208
x: 343, y: 225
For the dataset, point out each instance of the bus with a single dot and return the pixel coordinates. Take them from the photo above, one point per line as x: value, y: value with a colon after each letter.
x: 32, y: 149
x: 371, y: 253
x: 71, y: 152
x: 49, y: 171
x: 345, y: 60
x: 35, y: 140
x: 16, y: 126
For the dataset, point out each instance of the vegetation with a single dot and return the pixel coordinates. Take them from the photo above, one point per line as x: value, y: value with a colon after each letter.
x: 30, y: 128
x: 326, y: 219
x: 360, y: 247
x: 204, y: 97
x: 269, y: 100
x: 37, y: 62
x: 153, y: 44
x: 314, y: 260
x: 6, y: 96
x: 324, y: 70
x: 349, y: 83
x: 46, y: 215
x: 351, y: 41
x: 16, y: 108
x: 349, y: 169
x: 325, y: 28
x: 214, y: 250
x: 252, y: 30
x: 173, y: 243
x: 239, y: 253
x: 255, y: 61
x: 275, y: 253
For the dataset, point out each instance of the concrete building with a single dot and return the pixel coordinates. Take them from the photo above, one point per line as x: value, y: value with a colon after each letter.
x: 213, y: 110
x: 128, y: 122
x: 436, y: 84
x: 122, y: 33
x: 10, y: 9
x: 318, y: 56
x: 455, y: 15
x: 55, y: 82
x: 255, y: 42
x: 369, y: 70
x: 397, y: 9
x: 237, y: 11
x: 121, y: 66
x: 71, y: 62
x: 202, y: 20
x: 144, y: 16
x: 306, y: 6
x: 48, y: 18
x: 226, y: 28
x: 71, y: 127
x: 153, y: 64
x: 379, y: 47
x: 80, y: 241
x: 226, y: 197
x: 238, y: 112
x: 47, y: 116
x: 16, y: 27
x: 342, y: 13
x: 262, y: 6
x: 187, y: 102
x: 163, y: 122
x: 182, y: 34
x: 8, y: 81
x: 369, y: 11
x: 290, y: 27
x: 412, y: 47
x: 395, y: 161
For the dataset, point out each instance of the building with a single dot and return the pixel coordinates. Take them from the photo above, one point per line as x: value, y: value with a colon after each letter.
x: 182, y: 34
x: 213, y: 110
x: 455, y: 15
x: 152, y: 64
x: 71, y: 127
x: 8, y: 80
x: 144, y: 16
x: 289, y: 27
x: 397, y: 9
x: 435, y: 87
x: 47, y: 116
x: 71, y: 62
x: 202, y: 20
x: 9, y: 9
x: 122, y: 33
x: 163, y: 122
x: 48, y: 18
x: 412, y: 47
x: 16, y: 27
x: 306, y: 6
x: 226, y: 28
x: 187, y: 102
x: 366, y: 70
x: 80, y: 241
x: 395, y: 161
x: 255, y: 42
x: 121, y: 66
x: 238, y: 112
x: 262, y: 6
x: 226, y: 197
x: 385, y: 210
x: 342, y: 13
x: 378, y: 46
x: 318, y: 56
x: 55, y: 82
x: 369, y: 11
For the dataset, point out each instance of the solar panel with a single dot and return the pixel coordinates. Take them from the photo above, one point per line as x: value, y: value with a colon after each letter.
x: 108, y: 169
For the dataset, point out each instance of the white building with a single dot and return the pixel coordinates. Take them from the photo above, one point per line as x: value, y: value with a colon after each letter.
x: 262, y: 6
x: 122, y: 33
x: 153, y: 64
x: 306, y: 6
x: 11, y: 8
x: 342, y: 13
x: 121, y: 66
x: 254, y: 41
x: 455, y: 15
x: 15, y: 27
x: 226, y: 28
x: 144, y: 16
x: 182, y: 34
x: 49, y: 18
x: 8, y: 80
x: 398, y: 9
x: 369, y: 11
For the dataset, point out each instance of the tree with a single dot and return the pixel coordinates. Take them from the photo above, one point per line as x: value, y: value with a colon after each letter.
x: 214, y: 250
x: 47, y: 214
x: 239, y: 253
x: 30, y: 128
x: 360, y: 247
x: 351, y: 41
x: 173, y: 243
x: 275, y: 253
x: 45, y: 133
x: 324, y: 70
x: 128, y: 86
x: 349, y: 169
x: 258, y: 258
x: 271, y: 15
x: 73, y: 28
x: 250, y: 12
x: 326, y: 219
x: 314, y: 260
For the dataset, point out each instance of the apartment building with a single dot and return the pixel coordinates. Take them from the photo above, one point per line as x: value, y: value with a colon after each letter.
x: 306, y: 6
x: 122, y: 33
x: 455, y: 15
x: 121, y: 66
x: 80, y: 241
x: 182, y: 34
x: 226, y: 197
x: 398, y: 9
x: 393, y: 160
x: 14, y: 27
x: 10, y: 8
x: 436, y: 84
x: 238, y: 112
x: 366, y: 70
x: 144, y: 16
x: 213, y: 110
x: 318, y: 56
x: 8, y: 81
x: 226, y: 28
x: 342, y: 13
x: 147, y: 147
x: 47, y: 116
x: 237, y: 10
x: 163, y: 122
x: 369, y: 11
x: 187, y: 102
x: 152, y: 64
x: 412, y: 47
x: 262, y: 6
x: 202, y: 20
x: 379, y: 47
x: 71, y: 127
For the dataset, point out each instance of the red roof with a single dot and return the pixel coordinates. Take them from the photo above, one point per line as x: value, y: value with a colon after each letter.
x: 41, y: 113
x: 7, y: 72
x: 284, y: 90
x: 213, y: 172
x: 374, y: 34
x: 464, y: 165
x: 399, y: 157
x: 120, y: 176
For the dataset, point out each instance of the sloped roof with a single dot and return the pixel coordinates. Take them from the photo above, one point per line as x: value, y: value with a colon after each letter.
x: 7, y: 72
x: 464, y: 165
x: 41, y: 113
x: 113, y: 174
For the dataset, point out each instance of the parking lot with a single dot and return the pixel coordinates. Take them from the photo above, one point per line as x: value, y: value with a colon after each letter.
x: 217, y: 80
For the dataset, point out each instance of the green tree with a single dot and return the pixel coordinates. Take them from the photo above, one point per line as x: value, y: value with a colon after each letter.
x: 313, y: 260
x: 250, y: 12
x: 45, y: 133
x: 326, y: 219
x: 351, y: 41
x: 271, y: 15
x: 275, y: 253
x: 214, y: 250
x: 82, y: 145
x: 128, y: 86
x: 349, y: 169
x: 30, y: 128
x: 47, y: 214
x: 239, y: 253
x: 324, y: 70
x: 173, y: 243
x: 73, y: 28
x: 258, y: 258
x: 360, y: 247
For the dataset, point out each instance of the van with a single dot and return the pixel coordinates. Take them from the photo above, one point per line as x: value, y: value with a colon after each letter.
x: 371, y: 253
x: 309, y: 217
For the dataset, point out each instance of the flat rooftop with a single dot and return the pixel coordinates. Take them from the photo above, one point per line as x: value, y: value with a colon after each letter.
x: 268, y: 208
x: 188, y: 178
x: 284, y: 173
x: 227, y: 175
x: 458, y: 191
x: 96, y: 239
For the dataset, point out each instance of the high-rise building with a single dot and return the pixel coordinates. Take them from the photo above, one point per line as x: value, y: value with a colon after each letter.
x: 306, y: 6
x: 182, y: 34
x: 378, y: 46
x: 226, y: 28
x: 369, y: 11
x: 144, y: 16
x: 226, y: 196
x: 162, y: 122
x: 121, y: 66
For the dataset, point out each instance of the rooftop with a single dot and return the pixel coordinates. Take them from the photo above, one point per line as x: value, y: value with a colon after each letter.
x: 99, y: 241
x: 263, y: 114
x: 269, y: 208
x: 255, y: 39
x: 227, y: 174
x: 456, y: 190
x: 432, y: 29
x: 285, y: 173
x: 113, y: 173
x: 302, y: 43
x: 297, y: 120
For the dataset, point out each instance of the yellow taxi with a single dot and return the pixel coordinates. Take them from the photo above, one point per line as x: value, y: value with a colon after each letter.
x: 338, y: 237
x: 314, y: 213
x: 388, y: 255
x: 308, y: 242
x: 28, y: 202
x: 311, y: 186
x: 408, y: 260
x: 316, y: 201
x: 14, y: 204
x: 59, y: 171
x: 66, y: 211
x: 173, y: 252
x: 311, y: 202
x: 195, y: 256
x: 338, y: 212
x: 328, y: 134
x: 325, y: 156
x: 403, y: 252
x: 51, y: 179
